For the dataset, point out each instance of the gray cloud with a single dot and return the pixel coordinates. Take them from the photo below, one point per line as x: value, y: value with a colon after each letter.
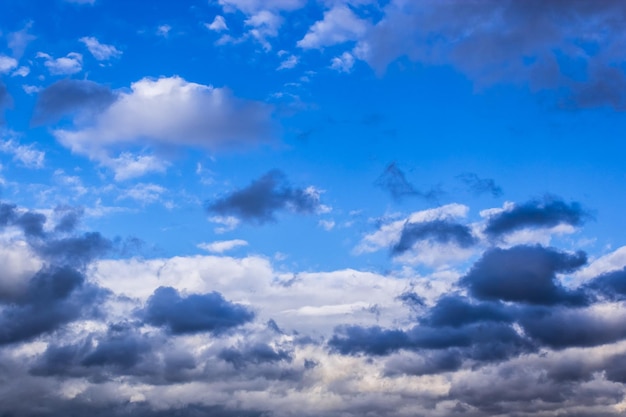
x: 393, y: 180
x: 611, y: 285
x: 525, y: 274
x: 259, y: 353
x: 567, y: 46
x: 195, y: 313
x: 440, y: 231
x: 5, y: 101
x: 457, y: 311
x: 479, y: 185
x: 69, y: 97
x: 536, y: 214
x: 259, y: 201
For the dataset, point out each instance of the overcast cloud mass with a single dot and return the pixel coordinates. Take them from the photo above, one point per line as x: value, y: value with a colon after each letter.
x: 324, y: 208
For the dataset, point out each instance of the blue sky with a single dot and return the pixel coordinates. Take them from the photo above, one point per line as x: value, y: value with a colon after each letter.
x: 312, y: 208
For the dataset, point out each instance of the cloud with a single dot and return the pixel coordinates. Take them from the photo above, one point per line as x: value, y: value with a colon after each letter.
x: 439, y: 231
x: 570, y: 47
x: 195, y: 313
x: 218, y: 24
x: 72, y: 97
x: 100, y: 51
x: 253, y: 6
x: 5, y: 101
x: 340, y: 24
x: 7, y: 64
x: 67, y: 65
x: 27, y: 155
x: 222, y: 246
x: 611, y: 285
x: 525, y: 274
x: 259, y: 201
x: 394, y: 181
x: 289, y: 63
x: 343, y: 63
x: 480, y: 185
x: 259, y: 353
x: 171, y: 112
x: 19, y: 40
x: 457, y: 311
x: 536, y: 214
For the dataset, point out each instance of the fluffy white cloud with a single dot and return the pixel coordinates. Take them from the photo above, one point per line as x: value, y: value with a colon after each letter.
x: 172, y: 112
x: 218, y: 24
x: 67, y: 65
x: 100, y: 51
x: 343, y: 63
x: 339, y: 25
x: 7, y: 64
x: 289, y: 63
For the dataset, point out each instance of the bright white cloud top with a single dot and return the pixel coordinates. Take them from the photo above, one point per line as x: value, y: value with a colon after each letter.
x: 312, y: 208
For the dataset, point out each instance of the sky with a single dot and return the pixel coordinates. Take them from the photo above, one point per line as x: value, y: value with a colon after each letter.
x: 312, y: 208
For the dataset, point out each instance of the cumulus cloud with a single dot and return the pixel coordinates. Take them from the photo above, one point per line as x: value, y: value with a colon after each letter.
x: 169, y: 112
x: 218, y: 24
x: 440, y: 231
x: 7, y: 64
x: 100, y: 51
x: 67, y: 65
x: 524, y: 274
x: 222, y: 246
x: 194, y: 313
x: 67, y: 97
x: 340, y: 24
x: 546, y: 213
x: 259, y: 201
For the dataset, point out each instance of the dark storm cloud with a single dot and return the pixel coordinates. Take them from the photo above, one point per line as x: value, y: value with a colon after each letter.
x: 256, y: 354
x: 572, y: 47
x: 440, y: 231
x: 393, y: 180
x: 535, y: 214
x: 479, y: 185
x: 75, y: 250
x: 429, y: 363
x: 70, y: 217
x: 195, y: 313
x: 560, y: 328
x: 525, y: 274
x: 68, y: 96
x: 457, y: 311
x: 55, y: 296
x: 483, y: 341
x: 31, y: 223
x: 611, y: 285
x: 259, y: 201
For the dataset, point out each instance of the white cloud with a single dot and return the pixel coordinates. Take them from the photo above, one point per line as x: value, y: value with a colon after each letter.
x: 127, y: 165
x: 264, y: 24
x: 67, y: 65
x: 172, y: 112
x: 164, y: 30
x: 343, y: 63
x: 339, y: 25
x: 144, y: 193
x: 610, y: 262
x: 228, y: 223
x: 26, y: 154
x: 21, y: 72
x: 100, y: 51
x: 222, y: 246
x: 289, y: 63
x: 7, y: 64
x: 327, y: 225
x: 218, y: 24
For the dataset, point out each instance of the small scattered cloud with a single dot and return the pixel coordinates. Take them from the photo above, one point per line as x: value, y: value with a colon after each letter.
x: 479, y: 185
x: 289, y: 63
x: 27, y: 155
x: 343, y: 63
x: 7, y: 64
x: 67, y: 65
x: 222, y: 246
x: 394, y: 181
x: 218, y: 24
x: 340, y: 24
x: 100, y: 51
x: 258, y: 202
